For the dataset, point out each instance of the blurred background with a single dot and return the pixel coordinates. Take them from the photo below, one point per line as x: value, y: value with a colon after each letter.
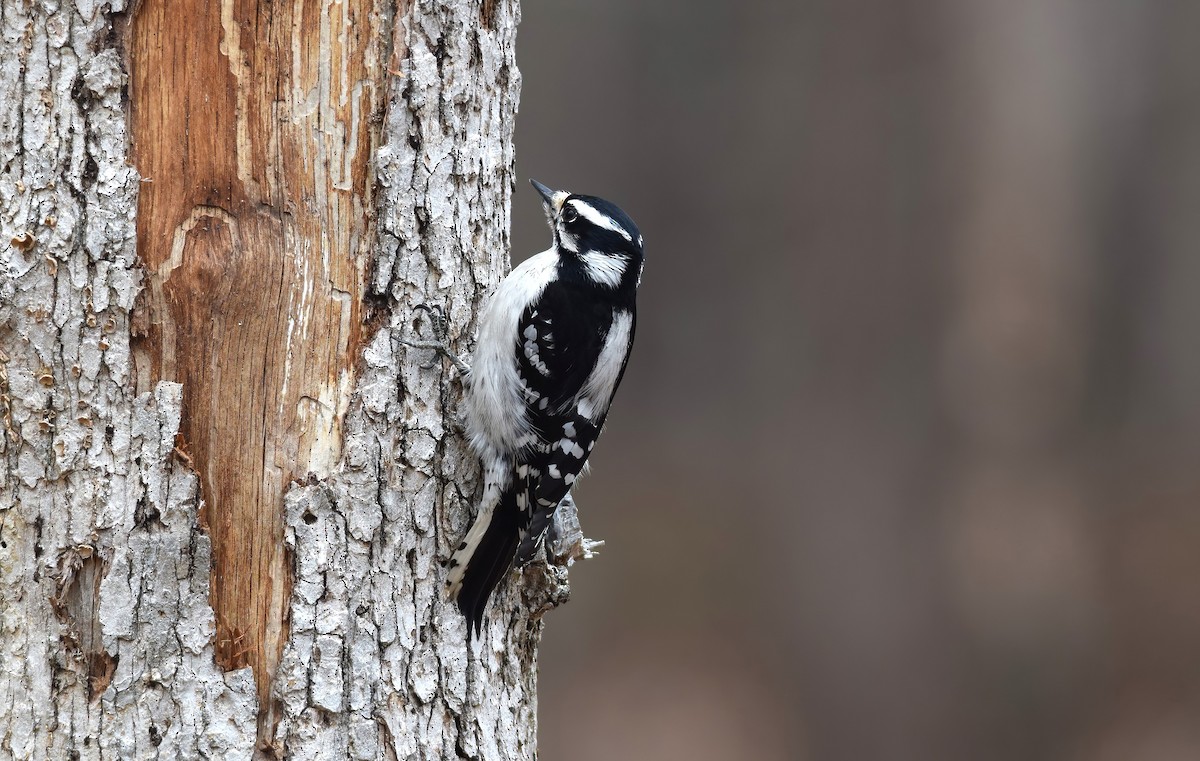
x: 907, y: 461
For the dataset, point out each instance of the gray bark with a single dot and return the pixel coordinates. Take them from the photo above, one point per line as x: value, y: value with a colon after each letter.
x: 106, y: 630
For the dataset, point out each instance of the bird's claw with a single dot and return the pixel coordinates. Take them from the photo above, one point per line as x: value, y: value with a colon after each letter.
x: 439, y: 325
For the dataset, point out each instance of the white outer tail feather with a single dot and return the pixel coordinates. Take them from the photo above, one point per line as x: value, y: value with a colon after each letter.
x: 462, y: 556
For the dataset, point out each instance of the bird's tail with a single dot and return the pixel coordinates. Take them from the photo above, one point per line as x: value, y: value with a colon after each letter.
x: 483, y: 558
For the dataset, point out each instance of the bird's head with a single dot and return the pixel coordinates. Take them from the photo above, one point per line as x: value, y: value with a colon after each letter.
x: 596, y: 232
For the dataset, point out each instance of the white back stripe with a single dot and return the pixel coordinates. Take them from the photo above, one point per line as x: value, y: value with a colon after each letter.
x: 598, y: 389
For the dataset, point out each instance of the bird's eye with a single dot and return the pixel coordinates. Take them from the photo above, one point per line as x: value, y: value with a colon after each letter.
x: 570, y: 215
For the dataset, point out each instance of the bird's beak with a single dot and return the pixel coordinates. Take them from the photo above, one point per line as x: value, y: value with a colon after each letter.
x: 553, y: 199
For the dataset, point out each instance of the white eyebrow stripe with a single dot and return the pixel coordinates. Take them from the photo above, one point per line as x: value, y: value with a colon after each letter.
x: 599, y: 219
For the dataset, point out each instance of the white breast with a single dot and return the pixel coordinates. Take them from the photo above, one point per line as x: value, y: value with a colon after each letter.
x: 496, y: 418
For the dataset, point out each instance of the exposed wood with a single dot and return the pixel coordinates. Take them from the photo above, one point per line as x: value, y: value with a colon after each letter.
x: 252, y: 130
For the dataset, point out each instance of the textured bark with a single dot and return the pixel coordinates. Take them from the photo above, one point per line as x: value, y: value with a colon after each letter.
x: 226, y: 486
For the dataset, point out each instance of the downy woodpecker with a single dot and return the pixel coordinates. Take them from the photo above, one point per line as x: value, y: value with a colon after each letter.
x: 553, y: 342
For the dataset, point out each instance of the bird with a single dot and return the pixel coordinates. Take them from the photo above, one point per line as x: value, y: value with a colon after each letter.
x: 553, y: 343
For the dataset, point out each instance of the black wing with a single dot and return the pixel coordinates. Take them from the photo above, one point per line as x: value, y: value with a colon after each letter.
x: 558, y: 347
x: 559, y: 337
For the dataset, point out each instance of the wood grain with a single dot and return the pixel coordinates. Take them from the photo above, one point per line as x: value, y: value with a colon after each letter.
x: 252, y: 129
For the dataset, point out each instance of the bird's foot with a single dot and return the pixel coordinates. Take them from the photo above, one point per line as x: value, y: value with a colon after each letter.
x: 439, y: 326
x: 565, y: 542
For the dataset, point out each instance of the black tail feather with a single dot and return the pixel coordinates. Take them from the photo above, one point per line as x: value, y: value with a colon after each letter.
x: 490, y: 562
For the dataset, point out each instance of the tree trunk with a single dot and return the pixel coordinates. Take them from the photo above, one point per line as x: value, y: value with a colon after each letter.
x: 227, y: 487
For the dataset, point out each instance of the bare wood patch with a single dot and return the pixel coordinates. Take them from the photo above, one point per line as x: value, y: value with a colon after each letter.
x: 251, y: 128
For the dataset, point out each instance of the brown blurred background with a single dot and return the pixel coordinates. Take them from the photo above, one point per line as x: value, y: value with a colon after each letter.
x: 907, y: 461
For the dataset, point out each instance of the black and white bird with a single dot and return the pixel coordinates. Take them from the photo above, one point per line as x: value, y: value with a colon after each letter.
x: 553, y: 343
